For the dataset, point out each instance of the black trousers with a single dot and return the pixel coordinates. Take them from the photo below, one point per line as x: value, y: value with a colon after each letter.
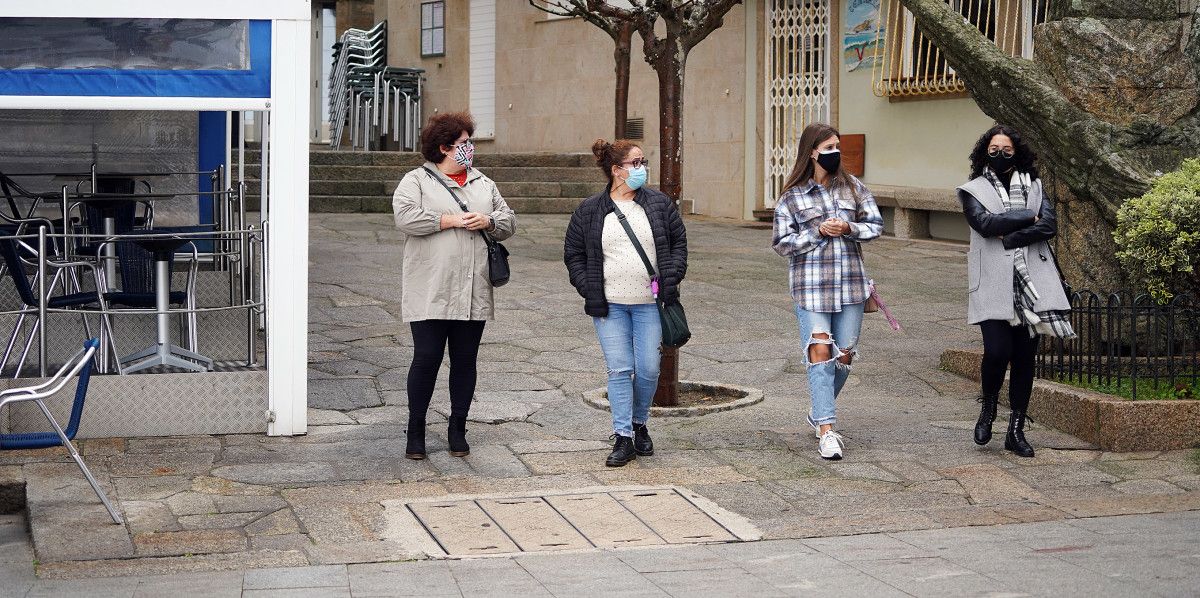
x: 1006, y: 346
x: 430, y: 338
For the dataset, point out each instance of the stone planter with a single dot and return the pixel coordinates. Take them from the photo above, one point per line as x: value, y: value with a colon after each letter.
x: 1112, y: 423
x: 743, y: 396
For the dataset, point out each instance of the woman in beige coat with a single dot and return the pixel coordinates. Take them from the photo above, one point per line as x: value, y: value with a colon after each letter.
x: 447, y: 293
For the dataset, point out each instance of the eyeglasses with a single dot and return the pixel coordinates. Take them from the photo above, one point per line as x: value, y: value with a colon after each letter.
x: 467, y: 143
x: 996, y: 151
x: 638, y: 162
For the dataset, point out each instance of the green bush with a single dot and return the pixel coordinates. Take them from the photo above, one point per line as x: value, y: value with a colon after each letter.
x: 1158, y: 234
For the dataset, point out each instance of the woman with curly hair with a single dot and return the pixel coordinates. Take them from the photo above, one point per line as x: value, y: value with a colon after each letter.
x: 1014, y: 287
x: 445, y: 207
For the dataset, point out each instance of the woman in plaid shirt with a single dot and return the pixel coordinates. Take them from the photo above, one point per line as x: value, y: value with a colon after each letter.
x: 820, y: 220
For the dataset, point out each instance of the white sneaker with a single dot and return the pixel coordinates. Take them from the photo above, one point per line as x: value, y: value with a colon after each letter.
x: 830, y: 446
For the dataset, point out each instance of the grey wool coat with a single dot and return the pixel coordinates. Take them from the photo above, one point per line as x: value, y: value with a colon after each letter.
x: 445, y: 275
x: 995, y: 235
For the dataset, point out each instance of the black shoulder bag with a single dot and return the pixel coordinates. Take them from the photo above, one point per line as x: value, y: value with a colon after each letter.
x: 675, y: 331
x: 497, y: 254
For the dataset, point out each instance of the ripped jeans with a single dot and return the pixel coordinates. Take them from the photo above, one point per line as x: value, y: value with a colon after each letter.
x: 629, y: 337
x: 826, y: 378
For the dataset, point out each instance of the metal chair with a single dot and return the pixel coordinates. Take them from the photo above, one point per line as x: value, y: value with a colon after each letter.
x: 136, y: 265
x: 11, y: 251
x: 81, y: 365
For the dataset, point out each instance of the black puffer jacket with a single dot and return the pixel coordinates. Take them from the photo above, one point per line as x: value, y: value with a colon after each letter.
x: 584, y: 254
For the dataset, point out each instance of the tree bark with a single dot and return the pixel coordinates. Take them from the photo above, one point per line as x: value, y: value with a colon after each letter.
x: 621, y: 55
x: 670, y: 66
x: 1095, y: 156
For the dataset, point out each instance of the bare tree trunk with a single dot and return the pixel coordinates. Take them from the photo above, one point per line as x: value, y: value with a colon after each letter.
x: 670, y: 67
x: 624, y: 45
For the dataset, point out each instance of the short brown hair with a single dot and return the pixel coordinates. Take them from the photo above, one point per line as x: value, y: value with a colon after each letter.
x: 444, y: 129
x: 610, y: 154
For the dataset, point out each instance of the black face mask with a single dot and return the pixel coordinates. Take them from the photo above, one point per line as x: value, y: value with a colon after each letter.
x: 830, y: 161
x: 1001, y: 164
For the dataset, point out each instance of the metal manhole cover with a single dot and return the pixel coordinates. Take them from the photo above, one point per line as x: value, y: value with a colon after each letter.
x: 577, y: 520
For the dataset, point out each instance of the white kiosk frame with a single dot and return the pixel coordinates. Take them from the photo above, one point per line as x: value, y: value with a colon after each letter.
x: 286, y: 149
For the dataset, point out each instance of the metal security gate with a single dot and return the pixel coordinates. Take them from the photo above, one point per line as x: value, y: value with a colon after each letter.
x: 797, y: 81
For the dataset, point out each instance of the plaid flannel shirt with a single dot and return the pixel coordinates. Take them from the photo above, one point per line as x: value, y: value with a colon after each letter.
x: 826, y: 272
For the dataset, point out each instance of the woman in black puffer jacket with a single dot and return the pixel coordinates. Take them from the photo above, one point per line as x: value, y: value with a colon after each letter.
x: 618, y: 290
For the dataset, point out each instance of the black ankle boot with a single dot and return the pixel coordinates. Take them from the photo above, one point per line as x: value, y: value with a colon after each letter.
x: 622, y: 453
x: 415, y: 449
x: 1015, y: 441
x: 457, y: 435
x: 641, y: 441
x: 987, y: 415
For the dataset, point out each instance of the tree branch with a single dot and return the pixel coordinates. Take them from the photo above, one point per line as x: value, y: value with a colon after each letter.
x: 578, y: 8
x: 705, y: 19
x: 1018, y: 93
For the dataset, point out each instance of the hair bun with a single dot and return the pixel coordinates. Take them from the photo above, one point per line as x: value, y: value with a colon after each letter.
x: 599, y: 148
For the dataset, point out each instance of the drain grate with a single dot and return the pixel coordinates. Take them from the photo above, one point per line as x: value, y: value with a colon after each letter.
x: 578, y: 521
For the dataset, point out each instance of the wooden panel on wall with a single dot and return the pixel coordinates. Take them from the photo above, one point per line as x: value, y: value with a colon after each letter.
x: 854, y: 153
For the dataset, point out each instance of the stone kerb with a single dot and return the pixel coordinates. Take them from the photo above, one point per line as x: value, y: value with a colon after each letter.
x: 745, y: 396
x: 1110, y: 422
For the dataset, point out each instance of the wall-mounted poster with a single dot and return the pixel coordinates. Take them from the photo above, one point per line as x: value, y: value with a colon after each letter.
x: 860, y: 42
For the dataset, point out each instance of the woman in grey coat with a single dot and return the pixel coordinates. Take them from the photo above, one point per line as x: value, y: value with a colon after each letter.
x: 1015, y: 290
x: 445, y: 207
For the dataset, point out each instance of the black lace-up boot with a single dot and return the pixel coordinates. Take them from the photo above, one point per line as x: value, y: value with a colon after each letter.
x: 641, y: 441
x: 1015, y: 441
x: 987, y: 415
x: 622, y: 453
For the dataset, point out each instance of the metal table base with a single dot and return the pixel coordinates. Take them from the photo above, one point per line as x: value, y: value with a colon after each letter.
x: 164, y: 353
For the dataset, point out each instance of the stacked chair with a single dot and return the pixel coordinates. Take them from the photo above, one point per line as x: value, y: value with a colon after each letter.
x: 371, y: 98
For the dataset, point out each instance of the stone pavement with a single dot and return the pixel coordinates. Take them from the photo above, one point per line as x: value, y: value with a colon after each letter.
x: 237, y: 502
x: 1136, y: 555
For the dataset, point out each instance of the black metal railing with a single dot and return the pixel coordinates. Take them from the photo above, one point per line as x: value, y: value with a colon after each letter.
x: 1128, y: 345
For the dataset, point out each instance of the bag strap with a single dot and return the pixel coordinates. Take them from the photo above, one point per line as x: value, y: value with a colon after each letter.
x: 636, y: 244
x: 486, y: 237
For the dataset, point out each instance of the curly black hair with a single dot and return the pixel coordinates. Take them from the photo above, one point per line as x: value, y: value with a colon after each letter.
x: 1026, y: 158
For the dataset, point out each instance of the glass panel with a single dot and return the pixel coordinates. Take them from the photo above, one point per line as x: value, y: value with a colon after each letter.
x: 439, y: 41
x: 426, y: 16
x: 439, y: 16
x: 427, y: 42
x: 148, y: 44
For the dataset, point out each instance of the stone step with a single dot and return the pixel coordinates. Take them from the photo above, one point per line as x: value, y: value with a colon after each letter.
x: 385, y: 188
x: 393, y: 174
x: 340, y: 204
x: 351, y: 204
x: 543, y: 205
x: 410, y: 160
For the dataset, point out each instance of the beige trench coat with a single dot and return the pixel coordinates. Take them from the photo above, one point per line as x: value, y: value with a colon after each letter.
x: 445, y: 274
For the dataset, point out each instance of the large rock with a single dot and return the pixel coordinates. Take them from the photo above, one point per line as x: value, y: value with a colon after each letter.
x: 1123, y: 9
x: 1121, y: 69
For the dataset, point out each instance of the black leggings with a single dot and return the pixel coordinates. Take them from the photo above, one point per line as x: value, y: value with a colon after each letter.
x: 429, y: 345
x: 1004, y: 344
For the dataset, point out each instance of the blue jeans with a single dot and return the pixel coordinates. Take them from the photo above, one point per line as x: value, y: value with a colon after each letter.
x: 826, y: 378
x: 629, y: 337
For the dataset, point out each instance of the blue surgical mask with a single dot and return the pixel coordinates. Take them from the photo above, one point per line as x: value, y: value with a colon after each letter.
x: 637, y: 177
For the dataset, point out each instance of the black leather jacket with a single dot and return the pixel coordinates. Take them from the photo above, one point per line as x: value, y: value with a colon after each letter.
x: 1017, y: 228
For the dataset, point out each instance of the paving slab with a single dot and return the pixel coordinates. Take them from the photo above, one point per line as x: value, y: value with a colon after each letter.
x: 328, y: 497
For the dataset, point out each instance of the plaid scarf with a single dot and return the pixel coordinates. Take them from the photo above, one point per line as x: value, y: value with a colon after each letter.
x: 1050, y: 322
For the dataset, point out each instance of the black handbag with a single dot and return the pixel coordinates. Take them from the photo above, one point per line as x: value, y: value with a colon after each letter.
x: 675, y: 331
x: 498, y: 271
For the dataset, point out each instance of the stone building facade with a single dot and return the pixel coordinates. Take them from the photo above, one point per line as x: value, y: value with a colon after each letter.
x: 542, y: 83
